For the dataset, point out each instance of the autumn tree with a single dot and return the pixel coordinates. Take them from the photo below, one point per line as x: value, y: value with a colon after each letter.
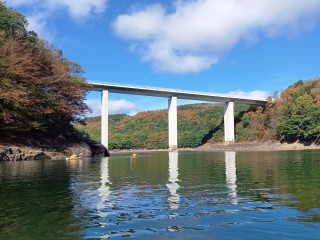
x: 300, y: 120
x: 40, y: 90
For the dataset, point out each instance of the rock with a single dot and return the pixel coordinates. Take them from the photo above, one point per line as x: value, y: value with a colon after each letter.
x: 20, y: 154
x: 78, y: 148
x: 40, y: 155
x: 3, y: 155
x: 56, y: 151
x: 11, y: 154
x: 98, y: 150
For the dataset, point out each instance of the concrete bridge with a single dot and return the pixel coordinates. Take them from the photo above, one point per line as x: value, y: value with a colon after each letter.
x: 172, y: 95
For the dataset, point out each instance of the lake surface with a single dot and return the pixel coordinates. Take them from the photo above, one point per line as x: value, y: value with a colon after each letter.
x: 164, y: 195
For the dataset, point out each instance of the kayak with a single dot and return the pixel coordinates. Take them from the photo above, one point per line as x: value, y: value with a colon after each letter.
x: 134, y: 154
x: 74, y: 158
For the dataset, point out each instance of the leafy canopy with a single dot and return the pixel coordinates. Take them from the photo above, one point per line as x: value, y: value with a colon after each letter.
x: 40, y: 90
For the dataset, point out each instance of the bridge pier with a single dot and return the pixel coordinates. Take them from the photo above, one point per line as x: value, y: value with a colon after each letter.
x: 229, y: 135
x: 172, y: 124
x: 104, y: 118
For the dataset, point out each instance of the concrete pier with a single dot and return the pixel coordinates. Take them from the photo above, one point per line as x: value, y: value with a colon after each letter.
x: 229, y: 122
x: 173, y: 124
x: 104, y: 118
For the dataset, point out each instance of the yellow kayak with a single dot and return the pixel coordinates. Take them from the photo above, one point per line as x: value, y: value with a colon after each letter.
x: 74, y: 158
x: 134, y: 154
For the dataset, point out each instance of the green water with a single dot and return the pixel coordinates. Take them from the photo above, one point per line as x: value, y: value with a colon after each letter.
x: 161, y: 195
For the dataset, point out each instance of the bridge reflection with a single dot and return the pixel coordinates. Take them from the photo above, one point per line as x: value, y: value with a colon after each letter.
x: 104, y: 190
x: 173, y: 186
x: 231, y: 176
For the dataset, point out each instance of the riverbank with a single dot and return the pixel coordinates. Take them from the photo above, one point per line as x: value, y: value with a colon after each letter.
x: 257, y: 146
x: 26, y: 148
x: 31, y: 149
x: 243, y: 146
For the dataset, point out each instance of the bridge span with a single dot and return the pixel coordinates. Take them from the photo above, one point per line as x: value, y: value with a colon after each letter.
x: 172, y: 95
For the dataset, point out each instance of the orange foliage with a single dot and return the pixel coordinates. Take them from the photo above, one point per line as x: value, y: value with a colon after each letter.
x: 35, y: 87
x: 122, y: 124
x: 153, y: 115
x: 315, y: 93
x: 190, y: 115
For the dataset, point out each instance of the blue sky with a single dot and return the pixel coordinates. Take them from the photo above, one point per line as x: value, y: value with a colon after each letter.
x: 243, y: 47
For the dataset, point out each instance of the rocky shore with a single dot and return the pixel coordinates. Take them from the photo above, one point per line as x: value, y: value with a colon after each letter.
x: 31, y: 149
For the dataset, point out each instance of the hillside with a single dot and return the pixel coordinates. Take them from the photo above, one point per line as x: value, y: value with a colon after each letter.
x: 293, y: 116
x: 197, y: 123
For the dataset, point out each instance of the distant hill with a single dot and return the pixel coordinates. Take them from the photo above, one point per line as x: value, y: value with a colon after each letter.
x: 197, y: 123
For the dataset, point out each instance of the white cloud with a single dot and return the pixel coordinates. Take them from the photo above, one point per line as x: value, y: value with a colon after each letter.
x: 42, y: 10
x: 79, y: 8
x: 195, y: 35
x: 21, y: 2
x: 76, y: 9
x: 38, y: 24
x: 121, y: 106
x: 115, y: 107
x: 257, y: 94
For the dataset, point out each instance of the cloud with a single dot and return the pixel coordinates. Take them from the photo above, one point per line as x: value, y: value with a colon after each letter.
x: 42, y: 10
x: 21, y: 2
x: 115, y: 107
x: 257, y: 94
x: 76, y: 9
x: 195, y: 34
x: 121, y: 106
x: 79, y: 8
x: 38, y: 24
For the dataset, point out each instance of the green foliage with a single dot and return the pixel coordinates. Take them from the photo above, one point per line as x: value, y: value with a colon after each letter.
x: 301, y: 120
x: 294, y: 116
x: 196, y: 124
x: 12, y: 23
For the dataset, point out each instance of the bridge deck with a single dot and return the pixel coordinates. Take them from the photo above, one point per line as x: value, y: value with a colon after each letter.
x: 181, y: 94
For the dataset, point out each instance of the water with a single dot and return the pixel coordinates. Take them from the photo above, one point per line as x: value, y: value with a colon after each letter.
x: 161, y: 195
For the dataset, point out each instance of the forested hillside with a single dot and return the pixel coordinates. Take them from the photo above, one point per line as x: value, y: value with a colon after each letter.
x: 40, y: 90
x: 196, y: 124
x: 293, y: 115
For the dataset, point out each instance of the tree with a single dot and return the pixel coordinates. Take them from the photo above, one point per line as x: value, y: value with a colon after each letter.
x: 40, y: 90
x: 301, y: 119
x: 12, y: 23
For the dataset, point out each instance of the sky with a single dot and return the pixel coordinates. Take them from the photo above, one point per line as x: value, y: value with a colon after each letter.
x: 241, y: 47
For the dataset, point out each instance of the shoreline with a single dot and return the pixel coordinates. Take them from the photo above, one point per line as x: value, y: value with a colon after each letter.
x: 258, y: 146
x: 238, y: 147
x: 62, y: 149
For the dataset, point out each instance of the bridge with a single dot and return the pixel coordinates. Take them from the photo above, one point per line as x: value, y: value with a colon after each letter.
x: 172, y: 95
